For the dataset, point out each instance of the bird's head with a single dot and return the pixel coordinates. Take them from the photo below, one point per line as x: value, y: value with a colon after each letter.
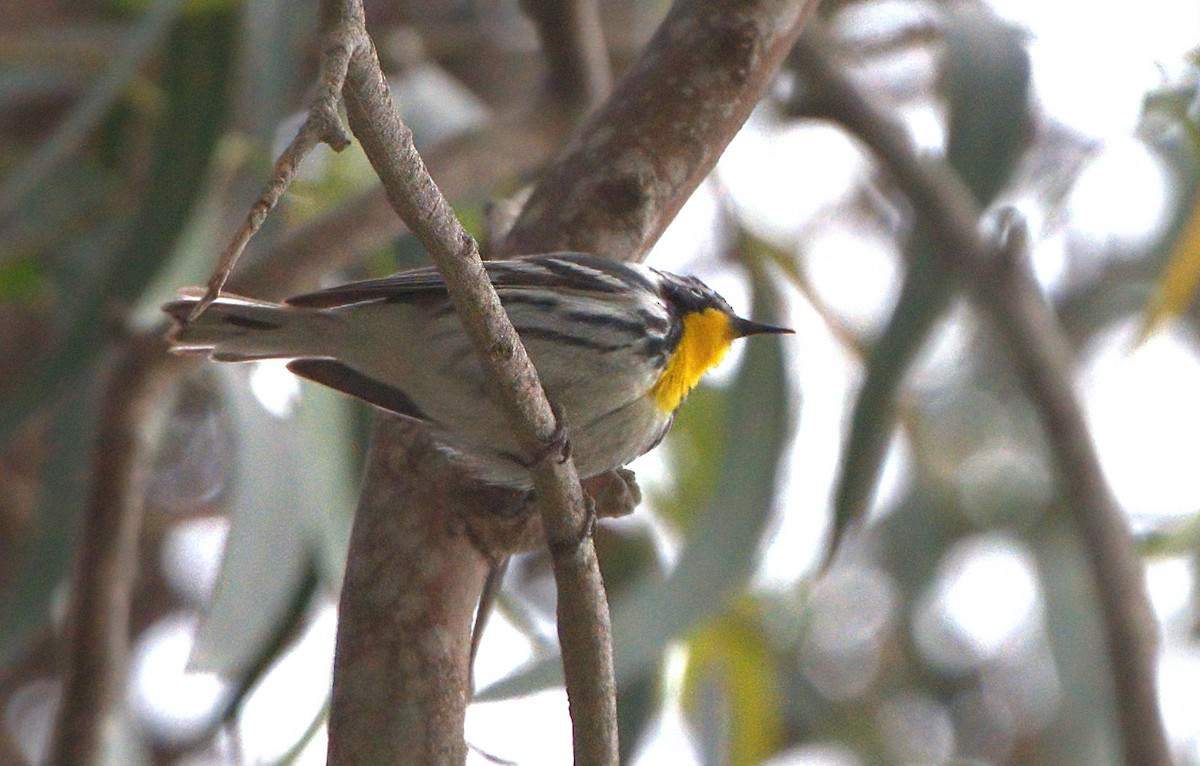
x: 708, y: 327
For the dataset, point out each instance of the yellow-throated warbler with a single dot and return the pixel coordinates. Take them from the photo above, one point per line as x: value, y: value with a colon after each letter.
x: 617, y: 347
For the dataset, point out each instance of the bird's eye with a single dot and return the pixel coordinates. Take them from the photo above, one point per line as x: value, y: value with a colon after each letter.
x: 697, y: 292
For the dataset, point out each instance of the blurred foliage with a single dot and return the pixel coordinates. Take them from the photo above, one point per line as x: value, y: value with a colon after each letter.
x: 21, y: 281
x: 1179, y: 107
x: 986, y: 91
x: 44, y: 557
x: 956, y: 625
x: 731, y: 692
x: 138, y: 240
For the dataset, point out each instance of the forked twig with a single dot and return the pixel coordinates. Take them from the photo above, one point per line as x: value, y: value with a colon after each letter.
x: 322, y: 126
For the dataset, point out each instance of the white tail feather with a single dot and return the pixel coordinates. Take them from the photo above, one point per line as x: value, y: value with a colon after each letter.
x: 238, y: 329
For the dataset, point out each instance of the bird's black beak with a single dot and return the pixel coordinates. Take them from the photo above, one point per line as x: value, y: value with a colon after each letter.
x: 744, y: 327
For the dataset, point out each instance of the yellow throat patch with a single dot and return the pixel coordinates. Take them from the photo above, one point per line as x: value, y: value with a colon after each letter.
x: 706, y: 337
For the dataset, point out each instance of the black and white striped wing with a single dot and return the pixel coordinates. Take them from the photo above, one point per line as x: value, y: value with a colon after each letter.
x: 569, y: 272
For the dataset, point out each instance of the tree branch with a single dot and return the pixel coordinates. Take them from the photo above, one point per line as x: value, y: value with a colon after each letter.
x: 323, y: 125
x: 400, y: 680
x: 144, y: 374
x: 573, y: 41
x: 1044, y: 362
x: 468, y: 167
x: 642, y: 154
x: 97, y: 638
x: 583, y: 618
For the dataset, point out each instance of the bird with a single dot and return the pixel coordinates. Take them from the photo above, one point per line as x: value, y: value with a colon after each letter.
x: 617, y: 347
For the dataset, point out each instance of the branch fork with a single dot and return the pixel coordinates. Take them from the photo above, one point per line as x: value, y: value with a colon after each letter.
x: 322, y: 126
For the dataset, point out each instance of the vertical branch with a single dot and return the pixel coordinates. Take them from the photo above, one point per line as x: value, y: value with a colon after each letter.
x: 97, y: 639
x: 400, y: 686
x: 662, y: 132
x: 584, y: 631
x: 573, y: 39
x: 141, y: 379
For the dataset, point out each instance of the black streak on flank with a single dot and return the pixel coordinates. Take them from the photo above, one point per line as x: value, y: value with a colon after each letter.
x: 611, y: 321
x: 539, y: 300
x: 554, y: 336
x: 654, y: 321
x: 575, y: 276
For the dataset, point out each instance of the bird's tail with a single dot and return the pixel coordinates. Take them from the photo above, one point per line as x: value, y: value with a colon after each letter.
x: 237, y: 329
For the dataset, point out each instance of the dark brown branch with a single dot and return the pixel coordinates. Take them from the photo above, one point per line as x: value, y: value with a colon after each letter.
x: 573, y: 40
x: 1044, y: 362
x: 583, y: 618
x: 97, y: 639
x: 642, y: 154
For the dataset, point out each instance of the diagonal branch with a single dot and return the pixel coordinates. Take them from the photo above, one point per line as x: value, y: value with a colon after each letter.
x: 737, y: 45
x: 641, y: 155
x: 144, y: 374
x: 997, y: 280
x: 583, y: 627
x: 323, y: 125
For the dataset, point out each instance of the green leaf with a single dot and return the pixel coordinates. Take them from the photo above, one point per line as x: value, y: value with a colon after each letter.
x: 722, y: 546
x: 21, y: 281
x: 924, y: 295
x: 290, y: 509
x: 987, y: 89
x: 694, y: 452
x: 31, y: 174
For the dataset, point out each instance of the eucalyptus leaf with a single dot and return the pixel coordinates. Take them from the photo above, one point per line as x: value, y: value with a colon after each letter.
x: 146, y: 33
x: 290, y: 510
x: 268, y: 548
x: 733, y: 693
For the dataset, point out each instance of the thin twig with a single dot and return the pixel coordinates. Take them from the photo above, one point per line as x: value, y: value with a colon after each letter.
x: 1044, y: 362
x: 744, y: 39
x: 584, y: 630
x: 580, y: 79
x: 573, y: 39
x: 467, y: 167
x: 323, y: 125
x: 97, y: 640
